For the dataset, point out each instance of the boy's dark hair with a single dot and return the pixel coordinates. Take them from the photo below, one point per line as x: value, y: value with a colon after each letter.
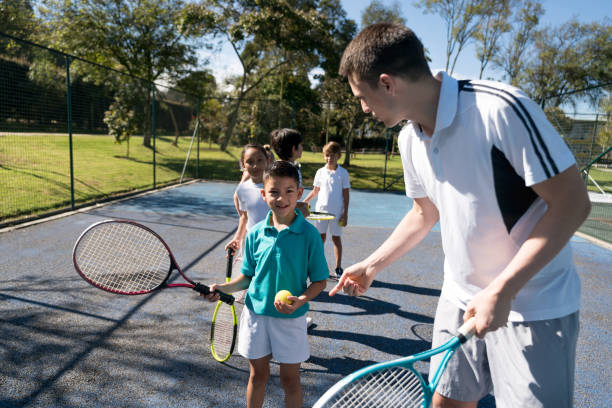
x: 384, y: 48
x: 282, y: 168
x: 284, y: 140
x: 332, y: 148
x: 252, y: 146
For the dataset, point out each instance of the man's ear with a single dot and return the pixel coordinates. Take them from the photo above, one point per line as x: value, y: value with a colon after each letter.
x: 387, y: 82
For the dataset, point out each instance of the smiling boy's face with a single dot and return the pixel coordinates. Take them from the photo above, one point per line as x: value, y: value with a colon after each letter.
x: 281, y: 194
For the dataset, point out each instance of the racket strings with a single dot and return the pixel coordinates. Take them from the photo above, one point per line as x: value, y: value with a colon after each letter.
x: 223, y: 328
x: 123, y: 257
x: 394, y: 387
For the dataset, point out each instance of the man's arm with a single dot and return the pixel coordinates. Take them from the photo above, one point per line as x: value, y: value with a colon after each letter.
x: 568, y: 206
x: 411, y: 230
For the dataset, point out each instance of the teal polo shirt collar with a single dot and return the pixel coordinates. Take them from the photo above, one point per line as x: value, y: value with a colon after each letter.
x: 297, y: 226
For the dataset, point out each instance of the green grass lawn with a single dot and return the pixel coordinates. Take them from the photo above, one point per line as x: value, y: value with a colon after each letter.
x: 603, y: 177
x: 35, y: 169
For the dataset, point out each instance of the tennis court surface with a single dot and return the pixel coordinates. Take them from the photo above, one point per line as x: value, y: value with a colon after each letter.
x: 64, y: 343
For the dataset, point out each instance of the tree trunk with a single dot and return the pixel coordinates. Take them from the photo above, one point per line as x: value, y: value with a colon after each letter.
x: 231, y: 124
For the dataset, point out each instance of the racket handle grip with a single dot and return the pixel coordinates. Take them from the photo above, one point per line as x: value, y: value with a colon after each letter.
x: 227, y: 298
x: 467, y: 329
x: 205, y: 290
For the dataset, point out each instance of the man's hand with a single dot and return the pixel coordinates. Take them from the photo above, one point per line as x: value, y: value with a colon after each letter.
x: 490, y: 308
x: 355, y: 280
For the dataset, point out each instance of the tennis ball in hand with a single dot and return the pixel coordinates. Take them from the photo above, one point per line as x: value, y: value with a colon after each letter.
x: 282, y: 296
x: 341, y: 223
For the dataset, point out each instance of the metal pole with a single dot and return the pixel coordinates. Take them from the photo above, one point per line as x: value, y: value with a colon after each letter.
x: 199, y: 130
x: 69, y: 106
x: 386, y: 156
x: 154, y: 134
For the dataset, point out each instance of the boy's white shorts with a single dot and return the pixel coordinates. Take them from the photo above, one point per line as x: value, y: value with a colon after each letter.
x: 334, y: 229
x: 285, y: 339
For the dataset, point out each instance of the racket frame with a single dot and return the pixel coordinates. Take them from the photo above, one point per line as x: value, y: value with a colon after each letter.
x: 463, y: 334
x: 201, y: 288
x: 220, y: 304
x: 320, y: 216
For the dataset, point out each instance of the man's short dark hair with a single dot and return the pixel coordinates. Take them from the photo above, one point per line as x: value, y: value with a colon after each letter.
x: 284, y: 140
x: 384, y: 48
x: 282, y: 168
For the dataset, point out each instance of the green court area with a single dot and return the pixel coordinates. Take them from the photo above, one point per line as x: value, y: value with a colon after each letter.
x: 35, y: 168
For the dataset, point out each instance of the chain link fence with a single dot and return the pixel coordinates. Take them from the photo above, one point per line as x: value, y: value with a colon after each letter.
x: 589, y: 137
x: 73, y: 132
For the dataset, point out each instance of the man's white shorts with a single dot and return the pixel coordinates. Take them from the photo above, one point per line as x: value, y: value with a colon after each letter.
x: 524, y: 364
x: 334, y: 229
x: 285, y: 339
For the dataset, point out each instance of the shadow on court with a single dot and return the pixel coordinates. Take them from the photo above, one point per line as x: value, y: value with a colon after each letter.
x: 67, y: 344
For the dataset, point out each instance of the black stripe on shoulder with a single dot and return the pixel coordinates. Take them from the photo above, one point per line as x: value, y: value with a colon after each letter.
x: 538, y: 135
x: 521, y: 116
x: 463, y: 83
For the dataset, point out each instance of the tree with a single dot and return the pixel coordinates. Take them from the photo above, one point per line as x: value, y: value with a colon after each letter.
x: 567, y: 58
x: 17, y: 19
x: 512, y: 58
x: 462, y: 19
x: 492, y: 26
x: 147, y: 39
x: 120, y: 118
x: 377, y: 12
x: 281, y: 31
x: 604, y: 135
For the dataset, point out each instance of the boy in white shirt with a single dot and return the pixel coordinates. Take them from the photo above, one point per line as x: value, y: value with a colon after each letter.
x: 332, y: 185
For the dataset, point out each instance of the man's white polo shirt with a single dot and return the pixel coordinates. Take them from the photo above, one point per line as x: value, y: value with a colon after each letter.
x: 490, y: 144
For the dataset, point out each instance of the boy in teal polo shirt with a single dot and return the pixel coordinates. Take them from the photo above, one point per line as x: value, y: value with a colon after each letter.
x: 283, y: 251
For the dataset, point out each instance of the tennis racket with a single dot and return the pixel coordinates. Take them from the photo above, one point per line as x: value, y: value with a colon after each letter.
x: 320, y: 216
x: 224, y: 322
x: 393, y: 383
x: 127, y: 258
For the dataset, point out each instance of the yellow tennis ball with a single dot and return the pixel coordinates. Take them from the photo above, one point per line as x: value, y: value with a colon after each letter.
x: 282, y: 296
x: 341, y: 223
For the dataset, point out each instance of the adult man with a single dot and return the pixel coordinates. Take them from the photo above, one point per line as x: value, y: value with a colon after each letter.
x: 481, y: 158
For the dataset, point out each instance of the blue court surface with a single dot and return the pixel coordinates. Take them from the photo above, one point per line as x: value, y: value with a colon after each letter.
x: 64, y: 343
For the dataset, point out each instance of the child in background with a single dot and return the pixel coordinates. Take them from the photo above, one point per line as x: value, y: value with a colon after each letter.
x: 287, y: 143
x: 282, y: 252
x: 248, y: 200
x: 332, y: 185
x: 245, y: 173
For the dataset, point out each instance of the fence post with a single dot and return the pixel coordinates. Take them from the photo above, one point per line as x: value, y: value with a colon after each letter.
x: 69, y: 106
x: 154, y: 133
x: 198, y: 136
x: 386, y: 158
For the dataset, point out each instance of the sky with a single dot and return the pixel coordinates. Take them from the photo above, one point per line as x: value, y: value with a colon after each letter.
x: 431, y: 30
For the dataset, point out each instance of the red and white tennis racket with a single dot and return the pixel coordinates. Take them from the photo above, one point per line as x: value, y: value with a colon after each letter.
x: 127, y: 258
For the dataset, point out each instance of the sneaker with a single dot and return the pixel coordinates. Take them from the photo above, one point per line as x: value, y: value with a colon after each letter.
x: 309, y: 322
x: 339, y: 272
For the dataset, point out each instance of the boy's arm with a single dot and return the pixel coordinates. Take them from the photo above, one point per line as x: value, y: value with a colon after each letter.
x: 312, y: 194
x: 568, y: 205
x: 345, y: 195
x: 235, y: 285
x: 311, y: 292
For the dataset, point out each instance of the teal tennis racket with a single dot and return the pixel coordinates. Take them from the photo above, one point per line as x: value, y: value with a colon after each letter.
x: 393, y: 384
